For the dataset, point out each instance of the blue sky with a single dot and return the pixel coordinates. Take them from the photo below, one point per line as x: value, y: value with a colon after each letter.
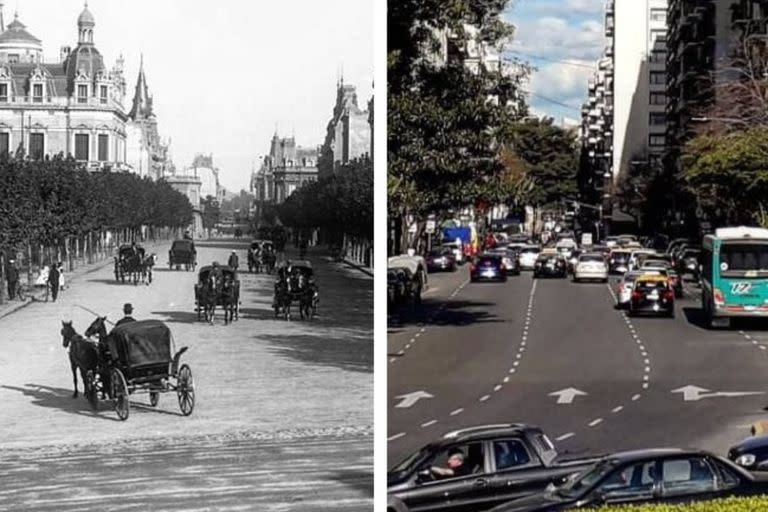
x: 562, y: 39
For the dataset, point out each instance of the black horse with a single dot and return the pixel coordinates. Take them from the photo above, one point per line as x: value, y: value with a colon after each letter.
x: 229, y: 299
x: 98, y: 328
x: 208, y: 296
x: 83, y: 354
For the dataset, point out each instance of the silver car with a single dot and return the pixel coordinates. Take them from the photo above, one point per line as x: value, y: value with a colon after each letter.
x: 591, y: 266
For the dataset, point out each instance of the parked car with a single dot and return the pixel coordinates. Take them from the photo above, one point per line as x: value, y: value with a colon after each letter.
x: 751, y: 454
x: 660, y: 476
x: 550, y: 264
x: 528, y: 255
x: 441, y: 259
x: 500, y: 463
x: 457, y: 249
x: 487, y: 267
x: 405, y: 284
x: 652, y: 294
x: 591, y: 266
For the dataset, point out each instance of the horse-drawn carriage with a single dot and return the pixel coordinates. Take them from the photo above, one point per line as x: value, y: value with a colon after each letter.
x: 139, y: 358
x: 261, y: 256
x: 133, y: 263
x: 295, y: 284
x: 217, y: 286
x: 182, y: 252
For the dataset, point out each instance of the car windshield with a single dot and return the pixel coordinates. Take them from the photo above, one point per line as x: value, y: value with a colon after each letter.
x: 584, y: 481
x: 437, y: 253
x: 412, y: 461
x: 651, y: 285
x: 591, y: 258
x: 655, y: 263
x: 619, y: 257
x: 529, y: 250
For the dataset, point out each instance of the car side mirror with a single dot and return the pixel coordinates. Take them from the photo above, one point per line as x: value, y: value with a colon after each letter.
x: 425, y: 475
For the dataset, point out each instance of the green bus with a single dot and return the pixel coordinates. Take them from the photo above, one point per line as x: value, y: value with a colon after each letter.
x: 734, y: 275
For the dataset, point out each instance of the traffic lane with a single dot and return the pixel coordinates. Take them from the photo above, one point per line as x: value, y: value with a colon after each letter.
x: 587, y: 348
x: 211, y: 473
x: 686, y: 354
x: 575, y: 342
x: 257, y: 373
x: 404, y: 320
x: 459, y: 358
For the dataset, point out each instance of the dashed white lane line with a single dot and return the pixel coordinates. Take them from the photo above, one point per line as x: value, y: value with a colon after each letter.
x: 635, y: 398
x: 565, y: 436
x: 506, y: 379
x: 497, y: 387
x: 484, y: 398
x: 617, y: 409
x: 396, y: 436
x: 595, y: 422
x: 428, y: 424
x: 457, y: 411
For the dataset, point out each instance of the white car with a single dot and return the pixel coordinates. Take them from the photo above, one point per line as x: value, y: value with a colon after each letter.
x: 591, y: 267
x: 634, y: 262
x: 528, y: 256
x: 458, y: 251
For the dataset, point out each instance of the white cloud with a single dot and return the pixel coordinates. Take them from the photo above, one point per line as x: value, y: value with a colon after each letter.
x: 562, y: 82
x: 554, y: 37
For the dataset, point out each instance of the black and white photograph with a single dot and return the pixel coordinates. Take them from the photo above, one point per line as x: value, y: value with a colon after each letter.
x: 186, y: 255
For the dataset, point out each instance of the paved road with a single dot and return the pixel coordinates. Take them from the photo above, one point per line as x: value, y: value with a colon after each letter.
x: 258, y: 376
x: 490, y: 353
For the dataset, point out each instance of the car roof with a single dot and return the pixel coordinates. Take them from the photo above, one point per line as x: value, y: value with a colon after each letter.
x: 549, y: 250
x: 482, y: 431
x: 637, y: 455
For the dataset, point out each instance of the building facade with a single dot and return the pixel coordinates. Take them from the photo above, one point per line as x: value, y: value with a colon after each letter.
x: 350, y: 131
x: 203, y: 168
x: 286, y: 168
x: 74, y: 106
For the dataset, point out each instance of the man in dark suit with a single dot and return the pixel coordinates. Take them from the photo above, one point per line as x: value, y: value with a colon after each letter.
x: 12, y: 277
x: 127, y: 309
x: 53, y: 280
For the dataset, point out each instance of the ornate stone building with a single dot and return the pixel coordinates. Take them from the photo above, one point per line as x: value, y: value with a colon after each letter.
x: 285, y: 169
x: 349, y: 134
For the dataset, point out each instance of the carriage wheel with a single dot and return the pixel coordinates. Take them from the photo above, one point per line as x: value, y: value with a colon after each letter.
x: 185, y: 390
x: 154, y: 398
x: 120, y: 395
x: 92, y: 390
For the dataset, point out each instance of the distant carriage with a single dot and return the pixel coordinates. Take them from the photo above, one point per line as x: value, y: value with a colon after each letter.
x: 296, y: 284
x: 212, y: 290
x: 182, y: 253
x: 133, y: 263
x: 261, y: 256
x: 140, y: 358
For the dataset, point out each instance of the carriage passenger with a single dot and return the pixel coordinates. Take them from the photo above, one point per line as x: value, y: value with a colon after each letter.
x: 127, y: 310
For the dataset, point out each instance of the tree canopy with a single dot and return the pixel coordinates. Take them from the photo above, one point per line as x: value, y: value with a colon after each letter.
x: 44, y: 201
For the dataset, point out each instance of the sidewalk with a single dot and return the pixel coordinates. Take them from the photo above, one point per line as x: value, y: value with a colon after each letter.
x: 321, y: 253
x: 11, y: 306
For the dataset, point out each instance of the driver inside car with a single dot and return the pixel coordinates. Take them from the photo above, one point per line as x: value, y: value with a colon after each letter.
x: 456, y: 466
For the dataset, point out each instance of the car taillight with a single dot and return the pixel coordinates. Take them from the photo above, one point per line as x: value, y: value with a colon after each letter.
x: 637, y: 295
x: 669, y: 294
x: 719, y: 297
x: 472, y: 267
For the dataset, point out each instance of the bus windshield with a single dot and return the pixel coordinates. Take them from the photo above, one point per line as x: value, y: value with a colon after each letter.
x: 744, y: 259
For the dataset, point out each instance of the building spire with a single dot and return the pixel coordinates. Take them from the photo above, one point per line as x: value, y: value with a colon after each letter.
x: 142, y: 104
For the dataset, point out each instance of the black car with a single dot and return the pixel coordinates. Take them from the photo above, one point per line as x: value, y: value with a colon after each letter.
x: 664, y: 476
x: 618, y: 261
x: 508, y: 259
x: 688, y: 263
x: 405, y: 285
x: 751, y: 454
x: 550, y: 265
x: 487, y: 267
x: 500, y: 463
x: 441, y: 259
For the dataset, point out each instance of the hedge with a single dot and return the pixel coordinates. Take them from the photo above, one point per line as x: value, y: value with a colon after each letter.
x: 753, y: 504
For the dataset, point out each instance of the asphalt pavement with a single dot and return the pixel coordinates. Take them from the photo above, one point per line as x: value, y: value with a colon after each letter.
x: 558, y: 354
x: 258, y: 378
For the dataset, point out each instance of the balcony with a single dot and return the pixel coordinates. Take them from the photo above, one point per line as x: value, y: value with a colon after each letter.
x: 48, y: 102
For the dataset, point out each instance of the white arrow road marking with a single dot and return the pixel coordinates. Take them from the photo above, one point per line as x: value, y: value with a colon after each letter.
x: 409, y: 399
x: 566, y: 396
x: 693, y: 393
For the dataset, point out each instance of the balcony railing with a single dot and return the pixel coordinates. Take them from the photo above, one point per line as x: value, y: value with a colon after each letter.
x: 92, y: 101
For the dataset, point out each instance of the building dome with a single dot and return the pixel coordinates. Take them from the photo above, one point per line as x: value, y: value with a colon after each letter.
x: 16, y: 33
x: 17, y: 45
x: 86, y: 18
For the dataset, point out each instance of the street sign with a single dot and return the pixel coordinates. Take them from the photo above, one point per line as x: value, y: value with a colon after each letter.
x: 409, y: 399
x: 431, y: 224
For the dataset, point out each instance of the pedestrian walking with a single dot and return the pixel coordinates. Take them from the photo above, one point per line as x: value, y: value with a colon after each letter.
x: 53, y: 281
x: 12, y: 277
x: 234, y: 262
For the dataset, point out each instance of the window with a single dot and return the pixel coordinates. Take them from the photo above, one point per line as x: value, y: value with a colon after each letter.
x: 5, y: 143
x: 685, y: 476
x: 473, y: 461
x: 13, y: 58
x: 510, y: 453
x: 657, y: 118
x: 37, y: 93
x: 103, y: 94
x: 81, y: 146
x: 659, y: 15
x: 658, y: 36
x: 657, y: 140
x: 630, y: 482
x: 36, y: 146
x: 658, y: 98
x: 739, y: 259
x: 82, y: 94
x: 658, y: 56
x: 103, y: 148
x: 3, y: 92
x: 658, y: 77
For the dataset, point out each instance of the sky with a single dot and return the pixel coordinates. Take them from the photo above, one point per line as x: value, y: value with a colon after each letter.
x: 224, y: 75
x: 562, y: 39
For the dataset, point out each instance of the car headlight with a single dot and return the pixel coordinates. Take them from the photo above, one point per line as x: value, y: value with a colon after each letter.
x: 745, y: 460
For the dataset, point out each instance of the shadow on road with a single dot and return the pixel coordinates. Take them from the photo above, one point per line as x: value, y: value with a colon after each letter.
x: 695, y: 317
x: 257, y: 314
x: 166, y: 269
x: 58, y: 398
x: 456, y: 313
x: 353, y: 355
x: 113, y: 282
x: 179, y: 317
x: 360, y: 481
